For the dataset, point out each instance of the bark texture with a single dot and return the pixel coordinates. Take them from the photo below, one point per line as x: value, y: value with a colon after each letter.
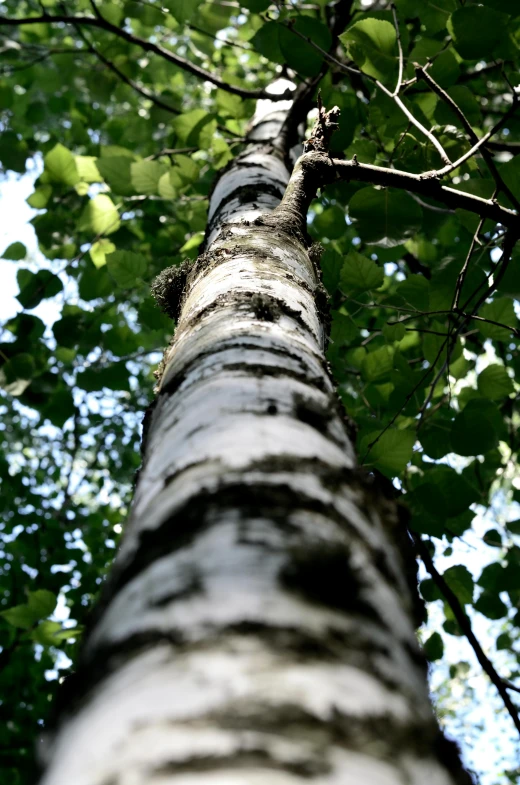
x: 258, y: 624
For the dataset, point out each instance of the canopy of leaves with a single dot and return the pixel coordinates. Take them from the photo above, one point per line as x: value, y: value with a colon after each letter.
x: 127, y: 140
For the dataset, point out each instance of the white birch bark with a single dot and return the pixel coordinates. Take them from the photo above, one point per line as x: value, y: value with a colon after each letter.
x: 257, y: 625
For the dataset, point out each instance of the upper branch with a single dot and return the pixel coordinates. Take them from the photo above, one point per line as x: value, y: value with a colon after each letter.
x: 316, y: 169
x: 147, y: 46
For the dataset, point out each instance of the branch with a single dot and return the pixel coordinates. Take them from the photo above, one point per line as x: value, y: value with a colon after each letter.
x: 504, y: 147
x: 488, y: 158
x: 147, y: 46
x: 416, y: 266
x: 431, y: 138
x: 509, y: 243
x: 315, y: 170
x: 112, y: 67
x: 465, y: 625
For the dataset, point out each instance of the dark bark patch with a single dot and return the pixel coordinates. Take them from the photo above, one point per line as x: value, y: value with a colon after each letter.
x: 263, y: 309
x: 174, y: 380
x: 313, y: 412
x: 308, y: 767
x: 192, y: 585
x: 321, y: 574
x: 244, y: 195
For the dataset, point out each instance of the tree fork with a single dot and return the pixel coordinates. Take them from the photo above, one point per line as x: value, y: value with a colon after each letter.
x: 258, y: 623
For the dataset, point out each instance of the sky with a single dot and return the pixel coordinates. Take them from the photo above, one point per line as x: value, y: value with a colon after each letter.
x: 496, y: 747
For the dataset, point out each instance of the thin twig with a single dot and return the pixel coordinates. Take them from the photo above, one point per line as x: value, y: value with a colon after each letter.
x: 400, y: 51
x: 465, y: 625
x: 435, y: 142
x: 438, y: 90
x: 147, y: 46
x: 124, y: 78
x: 462, y: 275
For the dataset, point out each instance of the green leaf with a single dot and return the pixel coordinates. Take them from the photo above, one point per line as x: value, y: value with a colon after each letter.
x: 494, y: 382
x: 416, y: 291
x: 384, y: 216
x: 221, y: 152
x: 476, y: 429
x: 145, y: 176
x: 392, y: 451
x: 256, y: 6
x: 69, y: 329
x: 15, y: 252
x: 331, y: 223
x: 230, y: 105
x: 99, y: 250
x: 40, y: 604
x: 51, y: 633
x: 299, y: 54
x: 87, y: 169
x: 343, y: 329
x: 500, y: 310
x: 430, y: 590
x: 466, y: 102
x: 150, y: 315
x: 372, y: 44
x: 60, y: 166
x: 40, y: 197
x: 490, y: 605
x: 331, y: 263
x: 126, y: 268
x: 514, y: 526
x: 94, y: 282
x: 100, y: 216
x: 360, y: 274
x: 35, y: 287
x: 60, y: 407
x: 504, y: 641
x: 444, y: 493
x: 378, y: 364
x: 167, y: 185
x: 193, y: 128
x: 147, y: 14
x: 112, y: 13
x: 183, y: 10
x: 115, y: 170
x: 266, y: 41
x: 510, y: 173
x: 110, y: 377
x: 433, y: 647
x: 21, y: 366
x: 460, y: 581
x: 477, y: 31
x: 435, y: 437
x: 186, y: 168
x: 435, y: 344
x: 493, y: 538
x: 394, y: 332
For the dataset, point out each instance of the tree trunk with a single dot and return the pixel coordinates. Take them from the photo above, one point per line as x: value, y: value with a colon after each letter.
x: 258, y: 624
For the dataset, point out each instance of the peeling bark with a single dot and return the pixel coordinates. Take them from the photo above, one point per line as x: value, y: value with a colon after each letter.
x: 258, y: 623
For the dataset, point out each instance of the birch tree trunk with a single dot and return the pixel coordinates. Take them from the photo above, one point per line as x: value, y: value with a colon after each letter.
x: 258, y: 624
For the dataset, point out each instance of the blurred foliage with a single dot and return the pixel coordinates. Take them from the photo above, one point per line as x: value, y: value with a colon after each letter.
x: 128, y: 145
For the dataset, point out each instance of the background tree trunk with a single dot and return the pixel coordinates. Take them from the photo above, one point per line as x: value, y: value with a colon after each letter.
x: 258, y: 624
